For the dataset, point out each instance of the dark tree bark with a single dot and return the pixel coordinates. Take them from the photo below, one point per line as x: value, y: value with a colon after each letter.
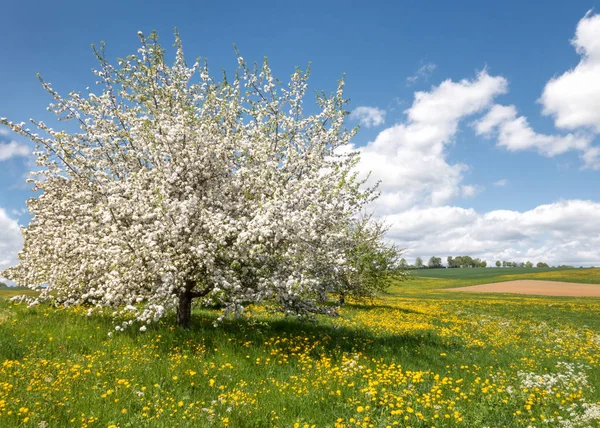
x: 184, y: 309
x: 184, y: 306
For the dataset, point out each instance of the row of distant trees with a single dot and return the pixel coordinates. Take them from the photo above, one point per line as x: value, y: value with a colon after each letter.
x: 527, y: 264
x: 436, y: 262
x: 467, y: 262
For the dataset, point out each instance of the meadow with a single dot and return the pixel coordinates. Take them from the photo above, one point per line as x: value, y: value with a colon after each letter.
x: 486, y: 275
x: 417, y: 356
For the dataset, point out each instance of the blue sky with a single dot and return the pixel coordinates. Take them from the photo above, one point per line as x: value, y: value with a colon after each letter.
x: 476, y: 187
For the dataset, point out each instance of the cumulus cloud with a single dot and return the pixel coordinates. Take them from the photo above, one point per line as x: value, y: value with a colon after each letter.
x: 417, y: 180
x: 409, y: 158
x: 514, y: 133
x: 422, y: 73
x: 13, y: 149
x: 557, y: 233
x: 3, y: 132
x: 469, y: 191
x: 368, y: 116
x: 11, y: 240
x: 591, y: 157
x: 573, y: 98
x: 19, y: 213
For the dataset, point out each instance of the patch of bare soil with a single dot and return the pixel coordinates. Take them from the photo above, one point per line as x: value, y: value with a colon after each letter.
x: 535, y: 287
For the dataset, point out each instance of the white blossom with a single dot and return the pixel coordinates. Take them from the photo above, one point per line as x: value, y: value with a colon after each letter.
x: 178, y: 186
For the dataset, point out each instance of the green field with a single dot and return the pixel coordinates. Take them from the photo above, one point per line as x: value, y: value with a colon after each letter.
x: 418, y: 356
x: 478, y: 273
x: 486, y: 275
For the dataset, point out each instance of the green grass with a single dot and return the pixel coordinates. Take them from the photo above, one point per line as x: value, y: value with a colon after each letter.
x: 8, y: 292
x: 430, y: 278
x: 479, y: 273
x: 418, y: 356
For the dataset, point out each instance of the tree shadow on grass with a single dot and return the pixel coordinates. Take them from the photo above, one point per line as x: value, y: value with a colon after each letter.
x: 321, y: 337
x: 76, y: 334
x: 372, y: 307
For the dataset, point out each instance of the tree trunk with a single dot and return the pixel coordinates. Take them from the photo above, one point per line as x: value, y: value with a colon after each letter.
x: 342, y: 299
x: 184, y: 309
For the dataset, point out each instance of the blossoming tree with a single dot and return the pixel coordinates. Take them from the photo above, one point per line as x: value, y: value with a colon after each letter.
x: 179, y: 187
x: 371, y: 262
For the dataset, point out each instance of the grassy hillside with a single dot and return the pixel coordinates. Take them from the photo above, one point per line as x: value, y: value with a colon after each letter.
x: 585, y: 276
x: 8, y: 292
x: 477, y: 273
x: 487, y: 275
x: 416, y: 357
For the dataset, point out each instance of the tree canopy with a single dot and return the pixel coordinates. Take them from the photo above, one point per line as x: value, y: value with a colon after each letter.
x: 180, y: 186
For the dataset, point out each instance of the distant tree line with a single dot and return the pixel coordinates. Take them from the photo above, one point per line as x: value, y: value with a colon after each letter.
x: 465, y: 262
x: 436, y: 262
x: 468, y: 262
x: 527, y: 264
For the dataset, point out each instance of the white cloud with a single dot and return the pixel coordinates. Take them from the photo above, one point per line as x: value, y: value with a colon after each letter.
x: 368, y: 116
x: 573, y: 98
x: 449, y: 102
x: 468, y: 191
x: 591, y: 157
x: 3, y: 132
x: 13, y: 149
x: 11, y: 240
x: 422, y: 73
x: 418, y: 181
x: 514, y: 133
x: 19, y: 213
x: 557, y: 233
x: 410, y: 159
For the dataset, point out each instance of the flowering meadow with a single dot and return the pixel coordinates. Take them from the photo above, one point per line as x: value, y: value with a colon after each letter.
x: 417, y: 357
